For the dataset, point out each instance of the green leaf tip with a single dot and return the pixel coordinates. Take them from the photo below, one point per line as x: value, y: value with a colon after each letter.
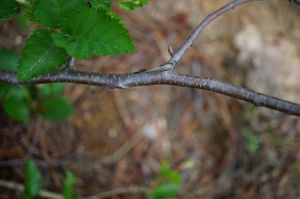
x: 132, y: 4
x: 104, y: 4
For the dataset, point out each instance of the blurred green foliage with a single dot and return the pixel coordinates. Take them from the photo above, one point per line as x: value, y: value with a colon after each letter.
x: 33, y: 180
x: 21, y: 102
x: 170, y: 183
x: 253, y: 143
x: 69, y: 192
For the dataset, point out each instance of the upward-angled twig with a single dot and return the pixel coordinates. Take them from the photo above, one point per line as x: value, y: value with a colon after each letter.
x: 178, y: 55
x: 211, y: 17
x: 166, y: 75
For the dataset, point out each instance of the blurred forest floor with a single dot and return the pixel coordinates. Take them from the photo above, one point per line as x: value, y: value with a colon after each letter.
x: 118, y: 138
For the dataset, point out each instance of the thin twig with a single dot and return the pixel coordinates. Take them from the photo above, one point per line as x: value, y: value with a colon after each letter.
x: 120, y: 152
x: 199, y: 29
x: 19, y: 187
x: 51, y: 195
x: 70, y: 64
x: 118, y: 191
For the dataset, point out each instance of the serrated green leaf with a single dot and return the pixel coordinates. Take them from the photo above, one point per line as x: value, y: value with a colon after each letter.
x: 132, y: 4
x: 40, y: 56
x: 104, y: 4
x: 7, y: 8
x: 69, y: 192
x: 163, y: 191
x: 28, y: 9
x: 8, y: 60
x: 56, y: 108
x: 16, y: 106
x: 33, y: 180
x: 90, y: 32
x: 48, y: 90
x: 51, y: 12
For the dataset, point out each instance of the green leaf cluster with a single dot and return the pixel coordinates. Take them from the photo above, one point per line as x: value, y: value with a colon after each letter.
x: 19, y: 103
x: 77, y: 28
x: 170, y: 183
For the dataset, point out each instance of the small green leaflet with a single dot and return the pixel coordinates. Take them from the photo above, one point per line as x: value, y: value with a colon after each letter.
x: 8, y: 60
x: 104, y: 4
x: 90, y: 32
x: 69, y: 192
x: 166, y: 172
x: 7, y: 8
x: 56, y: 108
x: 51, y: 12
x: 40, y: 56
x: 168, y: 190
x: 16, y: 106
x: 171, y: 183
x: 132, y: 4
x: 33, y: 180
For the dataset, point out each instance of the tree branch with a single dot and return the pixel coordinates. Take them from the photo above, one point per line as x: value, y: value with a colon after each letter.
x: 165, y: 74
x: 160, y: 77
